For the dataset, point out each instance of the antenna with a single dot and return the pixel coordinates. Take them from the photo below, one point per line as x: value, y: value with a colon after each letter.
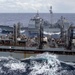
x: 37, y: 15
x: 51, y: 15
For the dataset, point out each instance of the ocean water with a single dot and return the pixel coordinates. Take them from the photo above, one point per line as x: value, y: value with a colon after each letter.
x: 41, y: 64
x: 11, y: 18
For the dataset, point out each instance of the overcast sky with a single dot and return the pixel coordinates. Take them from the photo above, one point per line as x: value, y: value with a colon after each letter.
x: 24, y: 6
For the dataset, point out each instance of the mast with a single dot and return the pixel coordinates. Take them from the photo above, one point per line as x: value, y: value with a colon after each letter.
x: 37, y: 14
x: 51, y: 16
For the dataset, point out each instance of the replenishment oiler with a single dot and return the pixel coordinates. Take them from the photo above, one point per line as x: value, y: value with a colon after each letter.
x: 41, y: 37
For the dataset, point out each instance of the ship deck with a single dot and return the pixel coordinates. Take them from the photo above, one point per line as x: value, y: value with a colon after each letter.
x: 36, y: 50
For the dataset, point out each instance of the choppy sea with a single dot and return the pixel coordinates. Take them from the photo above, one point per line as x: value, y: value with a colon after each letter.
x: 41, y: 64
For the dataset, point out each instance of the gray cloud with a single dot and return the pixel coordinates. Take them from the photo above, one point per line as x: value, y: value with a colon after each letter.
x: 63, y: 6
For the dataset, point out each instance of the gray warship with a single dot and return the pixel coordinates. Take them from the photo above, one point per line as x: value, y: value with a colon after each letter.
x: 42, y: 37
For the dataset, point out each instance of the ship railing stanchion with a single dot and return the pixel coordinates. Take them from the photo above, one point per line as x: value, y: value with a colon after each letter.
x: 41, y: 36
x: 70, y: 38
